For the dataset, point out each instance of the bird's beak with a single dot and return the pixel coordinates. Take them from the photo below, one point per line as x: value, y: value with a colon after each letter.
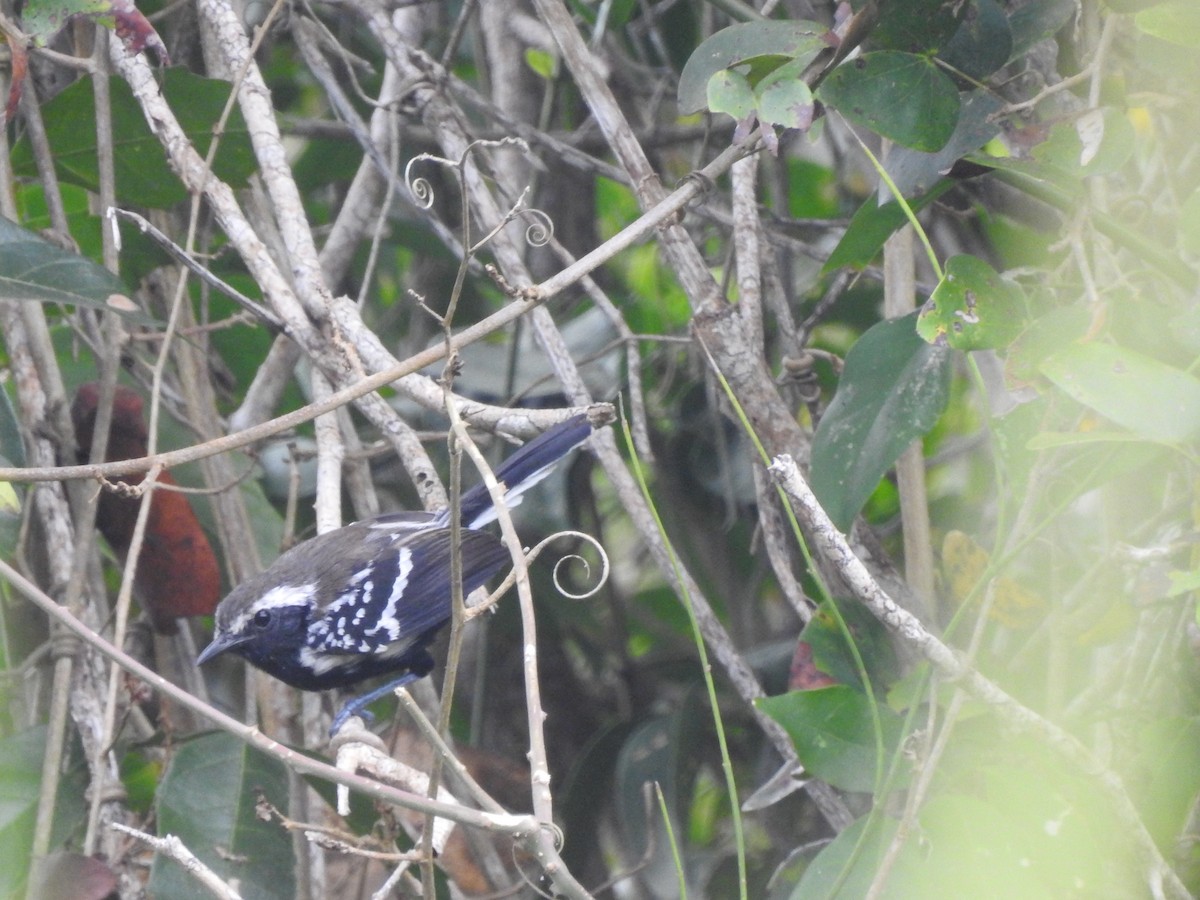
x: 219, y: 645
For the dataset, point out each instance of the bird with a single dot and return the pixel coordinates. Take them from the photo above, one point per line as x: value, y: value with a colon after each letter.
x: 367, y: 599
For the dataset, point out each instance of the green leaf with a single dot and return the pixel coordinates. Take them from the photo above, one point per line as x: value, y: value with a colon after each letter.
x: 1166, y: 774
x: 1189, y: 223
x: 796, y: 40
x: 1177, y: 22
x: 21, y: 757
x: 659, y: 751
x: 832, y: 655
x: 914, y: 172
x: 1047, y: 830
x: 848, y: 864
x: 834, y: 733
x: 207, y: 800
x: 972, y: 308
x: 42, y: 19
x: 785, y: 99
x: 916, y: 26
x: 901, y: 96
x: 10, y: 501
x: 34, y: 269
x: 982, y: 43
x: 893, y: 389
x: 619, y: 11
x: 729, y: 92
x: 1036, y: 21
x: 1097, y: 143
x: 541, y: 62
x: 870, y: 227
x: 143, y: 175
x: 12, y: 447
x: 1148, y: 397
x: 1183, y: 582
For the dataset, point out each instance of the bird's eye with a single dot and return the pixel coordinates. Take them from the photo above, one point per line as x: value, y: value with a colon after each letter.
x: 261, y: 619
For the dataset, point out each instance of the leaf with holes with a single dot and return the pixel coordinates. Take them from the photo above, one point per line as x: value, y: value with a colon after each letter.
x: 972, y: 308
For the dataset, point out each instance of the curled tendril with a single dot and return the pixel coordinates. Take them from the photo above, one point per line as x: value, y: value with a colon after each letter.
x: 538, y: 234
x: 559, y: 840
x: 540, y: 230
x: 491, y: 144
x: 533, y: 554
x: 572, y: 557
x: 559, y: 837
x: 420, y: 188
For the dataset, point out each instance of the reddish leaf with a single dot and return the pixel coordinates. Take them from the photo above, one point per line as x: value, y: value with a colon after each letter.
x: 136, y: 32
x: 70, y: 876
x: 20, y: 66
x: 804, y: 674
x: 177, y: 573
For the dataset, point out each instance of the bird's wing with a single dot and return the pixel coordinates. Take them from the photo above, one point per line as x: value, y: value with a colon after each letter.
x: 402, y: 595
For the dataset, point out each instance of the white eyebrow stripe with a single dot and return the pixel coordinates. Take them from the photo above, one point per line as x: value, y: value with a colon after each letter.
x: 278, y: 597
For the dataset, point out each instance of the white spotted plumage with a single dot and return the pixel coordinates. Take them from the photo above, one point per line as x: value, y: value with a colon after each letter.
x: 367, y: 599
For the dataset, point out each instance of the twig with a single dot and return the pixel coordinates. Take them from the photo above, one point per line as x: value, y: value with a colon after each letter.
x: 518, y: 825
x: 172, y: 846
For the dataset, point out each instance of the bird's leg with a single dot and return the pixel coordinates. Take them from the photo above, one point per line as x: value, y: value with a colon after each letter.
x: 357, y: 706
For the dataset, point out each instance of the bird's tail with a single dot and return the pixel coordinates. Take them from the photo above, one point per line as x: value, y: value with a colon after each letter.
x: 521, y: 471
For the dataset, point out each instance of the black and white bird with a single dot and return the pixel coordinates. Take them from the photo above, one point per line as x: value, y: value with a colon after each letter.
x: 367, y: 599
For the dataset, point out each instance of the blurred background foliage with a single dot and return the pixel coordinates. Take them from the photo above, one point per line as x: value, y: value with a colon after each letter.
x: 1046, y: 149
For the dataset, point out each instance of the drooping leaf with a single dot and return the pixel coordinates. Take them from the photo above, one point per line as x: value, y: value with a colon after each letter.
x: 541, y: 62
x: 847, y: 865
x: 143, y: 177
x: 1037, y: 20
x: 982, y: 43
x: 834, y: 733
x: 1150, y: 398
x: 207, y: 800
x: 972, y: 308
x: 900, y: 96
x: 739, y: 43
x: 914, y: 172
x: 872, y: 224
x: 893, y: 389
x: 35, y: 269
x: 916, y: 26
